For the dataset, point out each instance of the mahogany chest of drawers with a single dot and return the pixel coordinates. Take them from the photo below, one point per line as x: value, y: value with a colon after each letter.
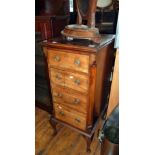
x: 78, y: 71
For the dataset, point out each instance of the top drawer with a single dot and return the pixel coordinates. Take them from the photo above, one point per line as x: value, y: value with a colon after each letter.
x: 77, y: 62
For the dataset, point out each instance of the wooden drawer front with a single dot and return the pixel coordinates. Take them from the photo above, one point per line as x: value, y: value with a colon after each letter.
x: 57, y: 77
x: 77, y: 82
x: 66, y: 60
x: 70, y: 116
x: 75, y: 101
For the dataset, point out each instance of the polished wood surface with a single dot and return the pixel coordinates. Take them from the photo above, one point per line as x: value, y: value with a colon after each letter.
x: 70, y: 116
x: 77, y: 82
x: 66, y: 60
x: 82, y: 74
x: 86, y: 46
x: 104, y: 66
x: 57, y: 77
x: 114, y: 93
x: 70, y: 80
x: 66, y: 142
x: 82, y: 32
x: 70, y: 99
x: 92, y: 85
x: 85, y: 25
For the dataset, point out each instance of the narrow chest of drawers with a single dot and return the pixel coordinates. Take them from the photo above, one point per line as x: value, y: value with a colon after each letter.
x: 69, y: 73
x: 77, y: 73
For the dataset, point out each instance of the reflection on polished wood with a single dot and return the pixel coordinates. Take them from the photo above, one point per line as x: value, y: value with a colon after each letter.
x: 66, y: 142
x: 83, y: 72
x: 114, y: 93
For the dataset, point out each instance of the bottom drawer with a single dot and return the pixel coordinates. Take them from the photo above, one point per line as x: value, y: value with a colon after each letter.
x: 70, y: 116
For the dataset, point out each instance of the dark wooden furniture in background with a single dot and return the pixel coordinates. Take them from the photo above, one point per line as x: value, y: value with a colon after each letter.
x: 50, y: 26
x: 78, y: 70
x: 51, y: 7
x: 51, y: 16
x: 42, y: 86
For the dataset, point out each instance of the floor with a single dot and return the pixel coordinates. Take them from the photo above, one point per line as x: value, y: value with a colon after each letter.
x: 66, y: 142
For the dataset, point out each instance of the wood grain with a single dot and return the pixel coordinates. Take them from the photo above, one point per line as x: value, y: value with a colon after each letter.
x: 104, y: 60
x: 114, y: 93
x: 92, y: 96
x: 70, y: 116
x: 43, y: 131
x: 57, y: 77
x: 66, y: 142
x: 72, y: 100
x: 84, y: 75
x: 68, y: 60
x: 77, y: 82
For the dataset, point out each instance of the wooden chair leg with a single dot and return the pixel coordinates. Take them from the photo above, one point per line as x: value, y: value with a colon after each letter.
x: 53, y: 124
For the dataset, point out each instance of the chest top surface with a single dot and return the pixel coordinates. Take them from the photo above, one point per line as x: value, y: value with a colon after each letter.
x: 76, y: 44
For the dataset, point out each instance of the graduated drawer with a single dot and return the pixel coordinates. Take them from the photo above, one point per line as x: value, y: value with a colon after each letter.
x: 66, y: 60
x: 57, y: 77
x: 77, y: 82
x: 75, y: 101
x: 70, y: 116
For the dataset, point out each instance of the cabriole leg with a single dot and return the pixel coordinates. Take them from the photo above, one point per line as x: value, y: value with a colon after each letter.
x: 53, y: 124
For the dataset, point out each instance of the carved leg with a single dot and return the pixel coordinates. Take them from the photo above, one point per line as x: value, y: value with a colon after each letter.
x: 53, y: 124
x: 88, y: 142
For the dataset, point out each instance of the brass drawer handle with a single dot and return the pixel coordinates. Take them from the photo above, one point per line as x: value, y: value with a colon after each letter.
x: 76, y: 101
x: 61, y: 113
x: 58, y: 77
x: 58, y: 95
x: 77, y: 82
x: 77, y: 62
x: 77, y: 120
x: 57, y: 58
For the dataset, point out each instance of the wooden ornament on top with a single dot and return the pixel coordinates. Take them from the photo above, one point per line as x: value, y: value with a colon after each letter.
x: 86, y: 10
